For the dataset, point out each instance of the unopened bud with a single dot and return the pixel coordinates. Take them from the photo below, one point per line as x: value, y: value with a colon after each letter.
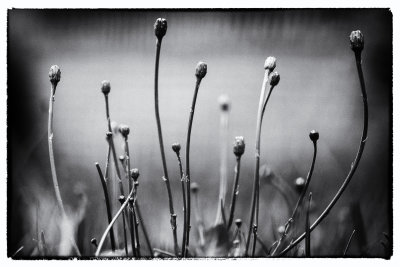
x: 160, y: 28
x: 238, y: 223
x: 194, y: 187
x: 281, y: 229
x: 124, y: 130
x: 299, y: 184
x: 54, y: 74
x: 108, y: 135
x: 201, y: 70
x: 121, y: 199
x: 176, y: 147
x: 105, y: 87
x: 94, y: 241
x: 274, y: 78
x: 224, y: 102
x: 270, y: 63
x: 122, y: 158
x: 135, y: 174
x: 356, y: 41
x: 239, y: 146
x: 314, y: 136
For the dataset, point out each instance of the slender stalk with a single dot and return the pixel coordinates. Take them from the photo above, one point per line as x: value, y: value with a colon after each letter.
x: 348, y: 243
x: 235, y: 192
x: 160, y: 139
x: 307, y: 231
x: 112, y: 223
x: 17, y: 251
x: 136, y: 221
x: 197, y: 213
x: 199, y: 77
x: 146, y: 236
x: 122, y: 199
x: 354, y: 164
x: 107, y: 200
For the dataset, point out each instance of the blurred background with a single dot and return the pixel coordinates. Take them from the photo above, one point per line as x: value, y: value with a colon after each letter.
x: 319, y: 89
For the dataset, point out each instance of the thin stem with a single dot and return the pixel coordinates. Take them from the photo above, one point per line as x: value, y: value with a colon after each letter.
x: 103, y: 183
x: 183, y: 198
x: 146, y: 236
x: 125, y: 237
x: 354, y: 165
x: 17, y: 251
x: 255, y: 195
x: 187, y: 228
x: 112, y: 223
x: 160, y: 139
x: 348, y: 243
x: 53, y: 165
x: 136, y: 222
x: 307, y: 231
x: 235, y: 192
x: 199, y: 220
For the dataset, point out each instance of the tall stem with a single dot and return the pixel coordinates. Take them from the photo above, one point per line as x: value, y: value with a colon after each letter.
x: 183, y: 198
x: 235, y: 192
x: 160, y: 139
x: 198, y: 81
x: 354, y: 164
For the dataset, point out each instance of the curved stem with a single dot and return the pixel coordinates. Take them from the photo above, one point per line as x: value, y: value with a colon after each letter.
x: 112, y: 223
x: 107, y: 200
x: 235, y: 192
x: 187, y: 228
x: 354, y: 165
x: 160, y: 139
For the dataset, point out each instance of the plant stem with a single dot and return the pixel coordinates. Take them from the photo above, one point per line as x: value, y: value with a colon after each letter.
x: 136, y: 222
x: 348, y: 243
x: 103, y: 183
x: 184, y: 199
x: 307, y: 231
x: 255, y: 194
x: 187, y: 226
x: 111, y: 223
x: 235, y: 192
x: 53, y: 165
x: 146, y: 236
x: 354, y: 164
x: 160, y: 139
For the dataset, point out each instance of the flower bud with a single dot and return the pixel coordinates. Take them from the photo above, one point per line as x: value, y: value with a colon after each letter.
x: 94, y: 241
x: 176, y: 147
x: 356, y: 41
x: 270, y: 63
x: 201, y: 70
x: 54, y: 74
x: 239, y: 146
x: 135, y: 174
x: 299, y: 183
x: 105, y: 87
x: 108, y: 135
x: 224, y: 102
x: 121, y: 199
x: 314, y: 136
x: 281, y: 229
x: 160, y: 28
x: 124, y: 130
x: 121, y: 159
x: 274, y: 78
x: 194, y: 187
x: 238, y: 223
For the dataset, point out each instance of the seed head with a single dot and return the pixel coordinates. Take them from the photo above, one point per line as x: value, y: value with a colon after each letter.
x: 238, y: 223
x: 160, y: 28
x: 105, y: 87
x: 201, y: 70
x: 239, y: 146
x: 299, y: 183
x: 135, y: 174
x: 194, y: 187
x: 176, y: 147
x: 270, y: 63
x: 314, y: 136
x: 356, y: 41
x: 124, y: 130
x: 54, y: 74
x: 121, y: 199
x: 224, y: 102
x: 274, y: 78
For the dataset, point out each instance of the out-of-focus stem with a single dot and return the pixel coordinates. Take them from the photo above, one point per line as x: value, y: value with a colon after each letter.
x: 146, y: 236
x: 307, y: 231
x: 235, y: 192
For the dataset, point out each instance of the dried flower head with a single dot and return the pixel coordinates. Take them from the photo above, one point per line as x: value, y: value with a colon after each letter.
x: 201, y: 70
x: 299, y: 183
x: 134, y: 174
x: 105, y: 87
x: 270, y: 63
x: 274, y: 78
x: 356, y: 41
x: 160, y: 28
x: 314, y: 136
x: 238, y: 223
x: 176, y: 147
x: 239, y: 146
x: 194, y: 187
x: 224, y: 102
x: 121, y: 199
x: 55, y: 74
x: 124, y: 130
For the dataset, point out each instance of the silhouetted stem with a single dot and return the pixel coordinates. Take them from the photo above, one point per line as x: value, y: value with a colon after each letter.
x: 107, y: 200
x: 235, y: 192
x: 348, y: 243
x: 307, y: 230
x: 146, y: 236
x: 354, y: 165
